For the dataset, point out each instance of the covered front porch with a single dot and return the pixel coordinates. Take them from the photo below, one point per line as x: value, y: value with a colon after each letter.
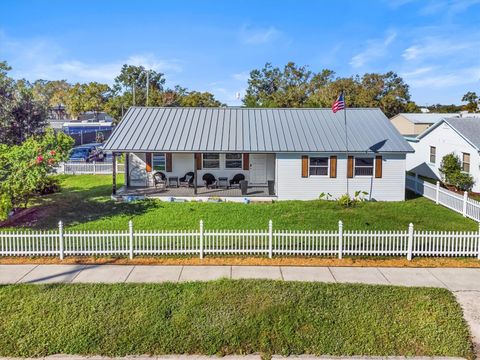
x: 184, y: 175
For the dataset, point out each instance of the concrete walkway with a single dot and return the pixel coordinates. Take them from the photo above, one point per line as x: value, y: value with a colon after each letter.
x: 463, y: 282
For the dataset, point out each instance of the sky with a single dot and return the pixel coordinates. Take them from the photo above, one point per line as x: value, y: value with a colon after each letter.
x: 213, y: 45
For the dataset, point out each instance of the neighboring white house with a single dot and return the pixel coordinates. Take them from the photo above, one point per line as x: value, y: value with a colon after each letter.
x: 460, y: 136
x: 302, y: 152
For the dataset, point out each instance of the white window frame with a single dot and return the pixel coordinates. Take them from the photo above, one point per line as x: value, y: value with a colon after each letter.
x: 469, y: 162
x: 430, y: 155
x: 227, y: 160
x: 364, y: 167
x: 316, y: 166
x: 154, y: 161
x: 211, y: 160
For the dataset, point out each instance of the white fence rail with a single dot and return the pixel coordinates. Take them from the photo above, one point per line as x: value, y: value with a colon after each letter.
x: 460, y: 203
x: 268, y: 242
x: 93, y: 168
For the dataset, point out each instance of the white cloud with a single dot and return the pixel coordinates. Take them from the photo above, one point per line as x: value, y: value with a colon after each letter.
x: 434, y: 47
x: 241, y: 76
x: 375, y: 49
x: 445, y: 78
x: 257, y: 36
x: 43, y: 59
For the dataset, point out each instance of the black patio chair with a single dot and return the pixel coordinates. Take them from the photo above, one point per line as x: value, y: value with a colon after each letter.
x: 235, y: 182
x: 160, y: 179
x: 187, y: 180
x: 209, y: 181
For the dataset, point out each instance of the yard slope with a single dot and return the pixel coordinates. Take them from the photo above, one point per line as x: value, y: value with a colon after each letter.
x: 227, y: 316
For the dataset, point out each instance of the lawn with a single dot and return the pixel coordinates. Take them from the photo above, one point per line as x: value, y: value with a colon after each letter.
x: 84, y: 203
x: 228, y: 316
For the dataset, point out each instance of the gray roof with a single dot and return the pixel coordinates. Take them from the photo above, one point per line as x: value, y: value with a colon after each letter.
x: 427, y: 118
x: 236, y: 129
x: 467, y: 127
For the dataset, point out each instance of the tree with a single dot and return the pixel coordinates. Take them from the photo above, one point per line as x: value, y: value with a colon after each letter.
x: 21, y: 115
x: 451, y: 170
x: 24, y: 168
x: 53, y: 93
x: 87, y: 97
x: 473, y: 101
x: 201, y: 99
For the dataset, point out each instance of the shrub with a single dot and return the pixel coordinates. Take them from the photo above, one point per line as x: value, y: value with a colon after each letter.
x: 346, y: 201
x: 452, y: 174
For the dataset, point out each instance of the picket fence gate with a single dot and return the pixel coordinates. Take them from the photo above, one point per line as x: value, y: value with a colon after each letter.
x: 268, y: 242
x: 460, y: 203
x: 91, y: 168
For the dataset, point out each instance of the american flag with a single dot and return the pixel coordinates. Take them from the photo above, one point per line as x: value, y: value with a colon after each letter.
x: 339, y: 104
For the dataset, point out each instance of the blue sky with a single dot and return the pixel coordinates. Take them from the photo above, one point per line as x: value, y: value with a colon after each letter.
x: 212, y: 45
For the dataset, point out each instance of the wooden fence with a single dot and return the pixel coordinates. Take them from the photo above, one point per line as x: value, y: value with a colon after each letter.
x: 267, y: 242
x: 460, y: 203
x: 92, y: 168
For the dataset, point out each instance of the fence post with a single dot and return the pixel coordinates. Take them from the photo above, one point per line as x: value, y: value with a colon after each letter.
x: 410, y: 242
x: 340, y: 239
x: 270, y: 239
x: 478, y: 239
x: 60, y: 239
x: 437, y: 194
x: 465, y: 199
x: 201, y: 239
x: 130, y: 238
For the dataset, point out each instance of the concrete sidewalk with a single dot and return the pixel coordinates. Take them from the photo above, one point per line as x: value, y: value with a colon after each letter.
x: 454, y: 279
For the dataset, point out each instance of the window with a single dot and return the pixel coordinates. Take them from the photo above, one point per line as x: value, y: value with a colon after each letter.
x: 318, y: 166
x: 466, y: 162
x: 363, y: 166
x: 211, y: 161
x: 433, y: 154
x: 233, y: 161
x: 158, y: 161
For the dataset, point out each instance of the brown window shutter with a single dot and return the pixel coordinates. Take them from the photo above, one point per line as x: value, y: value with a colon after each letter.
x: 246, y: 161
x: 148, y: 162
x: 333, y: 166
x: 304, y: 166
x: 378, y: 166
x: 198, y: 161
x: 168, y: 160
x: 350, y: 167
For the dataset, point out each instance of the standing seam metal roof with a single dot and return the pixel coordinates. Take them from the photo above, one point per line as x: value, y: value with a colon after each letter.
x: 149, y: 129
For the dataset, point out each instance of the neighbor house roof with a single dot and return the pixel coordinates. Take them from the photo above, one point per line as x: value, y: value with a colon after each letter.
x: 466, y: 127
x: 426, y: 118
x: 238, y: 129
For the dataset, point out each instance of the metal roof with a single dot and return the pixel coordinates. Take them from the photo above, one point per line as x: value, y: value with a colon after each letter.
x: 467, y: 127
x: 426, y: 118
x: 237, y: 129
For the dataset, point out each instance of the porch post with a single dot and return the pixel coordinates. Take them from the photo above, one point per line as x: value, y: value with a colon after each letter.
x: 114, y: 173
x: 195, y: 173
x: 127, y: 169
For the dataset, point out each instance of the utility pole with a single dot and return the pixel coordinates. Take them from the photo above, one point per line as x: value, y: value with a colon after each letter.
x: 133, y: 93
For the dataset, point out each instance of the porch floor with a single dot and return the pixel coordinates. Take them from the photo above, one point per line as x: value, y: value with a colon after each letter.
x: 253, y: 191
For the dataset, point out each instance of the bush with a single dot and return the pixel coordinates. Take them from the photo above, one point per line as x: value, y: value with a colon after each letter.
x: 463, y: 181
x: 49, y: 186
x: 452, y: 174
x: 346, y: 201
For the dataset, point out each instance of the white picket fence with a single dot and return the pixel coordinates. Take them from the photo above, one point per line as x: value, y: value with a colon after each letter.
x: 460, y: 203
x: 92, y: 168
x: 268, y: 242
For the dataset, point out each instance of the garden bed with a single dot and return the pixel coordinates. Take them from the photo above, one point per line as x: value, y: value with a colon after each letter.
x: 230, y: 317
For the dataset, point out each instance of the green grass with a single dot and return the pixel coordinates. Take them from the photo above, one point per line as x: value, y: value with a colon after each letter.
x: 226, y: 316
x: 84, y: 203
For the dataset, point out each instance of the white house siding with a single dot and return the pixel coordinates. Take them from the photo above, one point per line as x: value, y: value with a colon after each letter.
x: 291, y: 185
x: 183, y: 163
x: 446, y: 140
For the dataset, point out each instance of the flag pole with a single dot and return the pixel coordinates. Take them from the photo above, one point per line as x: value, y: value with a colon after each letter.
x: 346, y: 135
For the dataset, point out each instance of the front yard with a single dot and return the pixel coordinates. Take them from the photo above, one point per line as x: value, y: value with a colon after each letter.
x: 84, y: 203
x: 228, y: 316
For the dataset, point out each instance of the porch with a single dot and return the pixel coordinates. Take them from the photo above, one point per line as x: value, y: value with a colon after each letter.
x: 254, y: 193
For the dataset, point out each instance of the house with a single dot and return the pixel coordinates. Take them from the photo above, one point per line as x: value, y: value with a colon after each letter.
x: 301, y: 153
x: 412, y: 124
x: 458, y: 135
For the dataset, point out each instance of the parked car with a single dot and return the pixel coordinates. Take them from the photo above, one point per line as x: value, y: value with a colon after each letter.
x: 87, y: 153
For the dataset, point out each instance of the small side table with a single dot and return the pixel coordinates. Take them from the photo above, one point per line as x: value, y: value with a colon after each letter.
x: 173, y: 181
x: 223, y: 182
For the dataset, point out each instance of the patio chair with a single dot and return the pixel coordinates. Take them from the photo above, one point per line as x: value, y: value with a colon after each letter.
x: 235, y: 182
x: 209, y: 181
x: 160, y: 180
x: 187, y: 180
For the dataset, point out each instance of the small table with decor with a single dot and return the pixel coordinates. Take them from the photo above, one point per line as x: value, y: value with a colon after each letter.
x: 223, y: 182
x: 173, y: 181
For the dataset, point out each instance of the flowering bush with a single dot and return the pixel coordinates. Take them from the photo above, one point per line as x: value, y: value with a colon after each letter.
x: 24, y: 168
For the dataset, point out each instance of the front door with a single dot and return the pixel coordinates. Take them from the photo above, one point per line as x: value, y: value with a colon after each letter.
x: 258, y: 168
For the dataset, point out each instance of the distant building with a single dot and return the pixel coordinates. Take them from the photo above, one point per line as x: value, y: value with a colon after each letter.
x: 411, y: 125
